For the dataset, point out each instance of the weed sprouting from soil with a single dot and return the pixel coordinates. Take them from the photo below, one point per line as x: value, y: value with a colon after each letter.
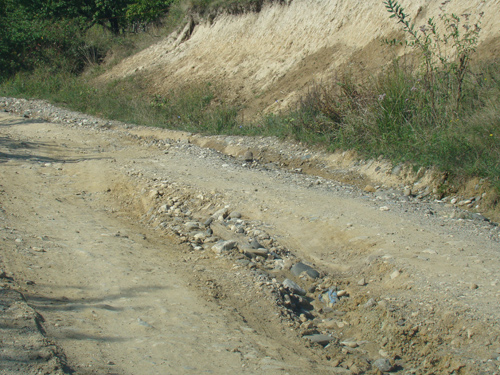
x: 446, y: 48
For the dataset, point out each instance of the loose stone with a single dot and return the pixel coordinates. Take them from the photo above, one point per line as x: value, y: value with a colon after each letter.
x: 248, y: 156
x: 383, y: 364
x: 279, y: 264
x: 258, y: 252
x: 371, y: 302
x: 293, y: 286
x: 342, y: 293
x: 349, y: 344
x: 395, y: 274
x: 320, y: 339
x: 223, y: 246
x: 200, y: 236
x: 220, y: 214
x: 370, y: 189
x: 298, y: 268
x: 255, y: 244
x: 192, y: 225
x: 235, y: 215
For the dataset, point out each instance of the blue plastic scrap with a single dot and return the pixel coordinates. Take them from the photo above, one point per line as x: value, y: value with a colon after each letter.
x: 332, y: 296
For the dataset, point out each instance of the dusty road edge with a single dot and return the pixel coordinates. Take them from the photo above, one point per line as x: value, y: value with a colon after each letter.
x: 475, y: 198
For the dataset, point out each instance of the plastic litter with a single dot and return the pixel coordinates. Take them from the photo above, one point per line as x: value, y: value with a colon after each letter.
x: 330, y: 297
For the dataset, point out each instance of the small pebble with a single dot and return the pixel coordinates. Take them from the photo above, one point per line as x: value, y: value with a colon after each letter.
x: 349, y: 344
x: 370, y: 189
x: 248, y: 156
x: 371, y: 302
x: 395, y: 274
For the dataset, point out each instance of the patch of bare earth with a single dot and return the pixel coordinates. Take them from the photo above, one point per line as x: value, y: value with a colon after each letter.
x: 267, y: 60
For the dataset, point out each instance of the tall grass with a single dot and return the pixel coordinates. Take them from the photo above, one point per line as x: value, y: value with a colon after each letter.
x: 392, y: 115
x: 195, y: 108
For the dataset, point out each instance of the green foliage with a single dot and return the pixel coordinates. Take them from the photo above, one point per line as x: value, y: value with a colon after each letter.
x: 146, y: 11
x: 446, y: 48
x: 54, y: 33
x: 196, y: 108
x: 391, y: 115
x: 29, y: 41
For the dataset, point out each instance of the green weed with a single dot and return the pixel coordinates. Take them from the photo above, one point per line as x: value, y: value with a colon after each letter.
x: 446, y: 48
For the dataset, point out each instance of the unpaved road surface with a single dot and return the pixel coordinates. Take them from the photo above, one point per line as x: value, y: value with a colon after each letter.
x: 110, y: 265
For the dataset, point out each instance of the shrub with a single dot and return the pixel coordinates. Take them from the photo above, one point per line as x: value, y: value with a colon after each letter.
x: 446, y: 49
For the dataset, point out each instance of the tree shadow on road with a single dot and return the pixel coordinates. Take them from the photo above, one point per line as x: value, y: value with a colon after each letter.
x: 25, y: 152
x: 42, y: 303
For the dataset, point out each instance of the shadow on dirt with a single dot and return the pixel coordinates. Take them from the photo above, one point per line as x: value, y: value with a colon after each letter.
x: 41, y: 303
x: 13, y: 121
x: 26, y: 152
x: 23, y: 337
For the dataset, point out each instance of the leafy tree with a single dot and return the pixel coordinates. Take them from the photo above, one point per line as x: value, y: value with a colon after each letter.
x: 146, y: 11
x: 114, y: 15
x: 36, y: 32
x: 110, y: 13
x: 29, y: 39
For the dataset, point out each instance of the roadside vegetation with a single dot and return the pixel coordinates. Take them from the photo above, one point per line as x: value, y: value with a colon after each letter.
x: 435, y: 107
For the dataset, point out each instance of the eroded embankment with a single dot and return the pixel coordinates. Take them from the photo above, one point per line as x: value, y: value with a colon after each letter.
x: 266, y: 60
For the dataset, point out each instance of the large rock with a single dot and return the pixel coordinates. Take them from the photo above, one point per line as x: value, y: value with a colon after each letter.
x: 223, y: 246
x: 300, y: 267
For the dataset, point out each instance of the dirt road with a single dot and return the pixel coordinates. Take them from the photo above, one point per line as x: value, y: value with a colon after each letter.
x: 104, y: 232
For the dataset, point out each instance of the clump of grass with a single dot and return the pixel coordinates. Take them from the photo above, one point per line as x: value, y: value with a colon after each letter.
x: 195, y: 108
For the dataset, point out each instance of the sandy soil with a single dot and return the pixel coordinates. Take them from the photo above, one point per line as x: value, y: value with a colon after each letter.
x: 266, y: 60
x: 101, y: 278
